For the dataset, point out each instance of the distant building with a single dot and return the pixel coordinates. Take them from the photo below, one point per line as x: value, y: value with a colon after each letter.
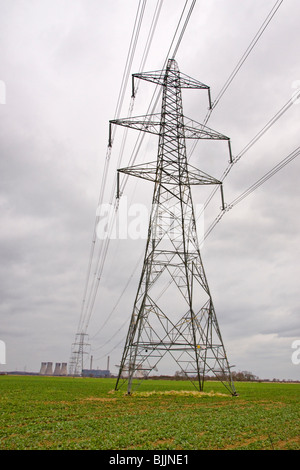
x: 95, y: 373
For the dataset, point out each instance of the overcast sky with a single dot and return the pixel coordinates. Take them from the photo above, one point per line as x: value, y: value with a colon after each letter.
x: 61, y: 68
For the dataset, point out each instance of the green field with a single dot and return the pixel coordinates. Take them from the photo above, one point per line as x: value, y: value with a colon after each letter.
x: 39, y: 413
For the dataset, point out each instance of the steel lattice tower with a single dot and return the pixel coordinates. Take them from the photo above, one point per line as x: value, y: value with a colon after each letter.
x: 79, y: 350
x: 180, y: 321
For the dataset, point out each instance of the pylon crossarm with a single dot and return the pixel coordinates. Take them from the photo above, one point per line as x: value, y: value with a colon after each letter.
x: 196, y: 130
x: 178, y: 79
x: 145, y: 171
x: 148, y: 171
x: 147, y: 123
x: 151, y: 123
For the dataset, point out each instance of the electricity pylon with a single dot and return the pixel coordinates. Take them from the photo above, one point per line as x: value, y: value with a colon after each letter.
x: 79, y: 350
x: 181, y: 320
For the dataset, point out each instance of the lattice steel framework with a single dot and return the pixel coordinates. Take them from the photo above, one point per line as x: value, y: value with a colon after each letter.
x: 181, y: 320
x: 79, y: 351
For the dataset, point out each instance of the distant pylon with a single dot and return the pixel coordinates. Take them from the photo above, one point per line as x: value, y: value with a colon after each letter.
x: 78, y: 353
x: 180, y: 321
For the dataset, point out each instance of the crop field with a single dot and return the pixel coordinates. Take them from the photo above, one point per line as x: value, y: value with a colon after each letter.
x: 64, y: 413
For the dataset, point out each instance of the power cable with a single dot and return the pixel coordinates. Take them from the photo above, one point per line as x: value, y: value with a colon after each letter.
x: 269, y: 124
x: 252, y: 188
x: 130, y: 55
x: 104, y: 246
x: 131, y: 51
x: 251, y: 46
x: 184, y: 28
x: 120, y: 297
x: 155, y: 99
x: 250, y: 144
x: 265, y: 178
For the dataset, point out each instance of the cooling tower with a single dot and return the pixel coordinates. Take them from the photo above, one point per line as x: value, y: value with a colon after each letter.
x: 43, y: 368
x: 49, y: 368
x: 57, y: 369
x: 63, y: 370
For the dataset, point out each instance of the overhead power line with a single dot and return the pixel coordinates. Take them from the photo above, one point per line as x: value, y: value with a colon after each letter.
x: 105, y: 244
x: 187, y: 19
x: 104, y: 247
x: 130, y: 55
x: 233, y: 74
x: 253, y: 187
x: 131, y: 52
x: 265, y: 177
x: 249, y: 49
x: 88, y: 303
x: 250, y: 144
x: 222, y: 212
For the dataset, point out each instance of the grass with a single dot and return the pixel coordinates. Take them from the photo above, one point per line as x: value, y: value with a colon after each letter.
x: 50, y: 413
